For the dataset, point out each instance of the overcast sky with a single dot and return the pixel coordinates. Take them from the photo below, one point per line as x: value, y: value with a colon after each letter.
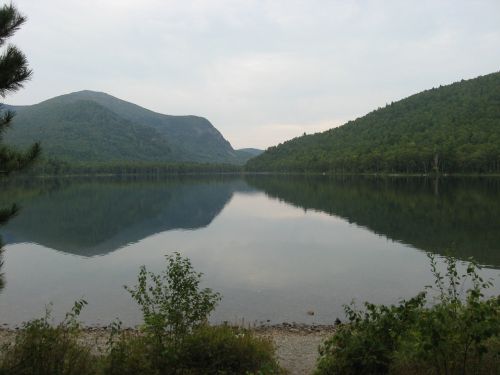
x: 260, y: 71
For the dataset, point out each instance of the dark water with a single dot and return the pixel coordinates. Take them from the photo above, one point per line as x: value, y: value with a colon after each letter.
x: 275, y: 247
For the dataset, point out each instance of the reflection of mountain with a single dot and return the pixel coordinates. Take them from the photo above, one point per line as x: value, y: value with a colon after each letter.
x: 96, y: 217
x: 460, y: 216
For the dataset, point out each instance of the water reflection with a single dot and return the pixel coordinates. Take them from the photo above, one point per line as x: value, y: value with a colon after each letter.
x: 458, y: 216
x: 5, y: 215
x: 88, y: 218
x: 275, y: 247
x: 2, y: 277
x: 91, y: 218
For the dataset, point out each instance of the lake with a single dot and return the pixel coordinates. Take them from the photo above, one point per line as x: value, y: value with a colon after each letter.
x: 276, y: 247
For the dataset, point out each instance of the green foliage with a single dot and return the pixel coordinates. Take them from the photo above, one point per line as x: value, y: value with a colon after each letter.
x: 172, y: 302
x: 206, y: 350
x: 129, y: 354
x: 457, y: 334
x: 93, y: 127
x: 58, y: 167
x: 450, y: 129
x: 226, y: 350
x: 176, y: 338
x: 42, y: 349
x: 14, y: 72
x: 172, y: 305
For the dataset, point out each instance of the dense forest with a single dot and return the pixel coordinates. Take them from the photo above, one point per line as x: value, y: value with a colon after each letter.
x: 450, y: 129
x: 56, y: 167
x: 442, y: 215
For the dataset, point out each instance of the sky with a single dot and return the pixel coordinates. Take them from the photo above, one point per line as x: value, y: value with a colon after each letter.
x: 261, y: 71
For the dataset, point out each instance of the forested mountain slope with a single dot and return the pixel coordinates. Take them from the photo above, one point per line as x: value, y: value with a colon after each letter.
x: 454, y: 128
x: 89, y: 126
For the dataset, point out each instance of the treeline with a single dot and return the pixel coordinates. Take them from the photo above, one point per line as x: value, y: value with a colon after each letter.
x: 451, y: 129
x: 55, y: 167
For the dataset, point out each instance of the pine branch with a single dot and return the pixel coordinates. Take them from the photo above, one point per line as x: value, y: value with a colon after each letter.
x: 13, y: 70
x: 13, y: 160
x: 5, y: 120
x: 10, y: 21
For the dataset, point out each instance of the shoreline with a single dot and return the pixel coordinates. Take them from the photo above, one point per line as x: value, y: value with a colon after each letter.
x: 296, y: 344
x: 205, y: 173
x: 303, y: 328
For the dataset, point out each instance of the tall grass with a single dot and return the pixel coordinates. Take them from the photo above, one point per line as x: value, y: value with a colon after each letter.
x: 43, y: 349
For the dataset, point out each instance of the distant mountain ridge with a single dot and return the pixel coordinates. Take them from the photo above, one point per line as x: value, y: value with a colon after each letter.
x: 450, y: 129
x: 249, y: 152
x: 89, y: 126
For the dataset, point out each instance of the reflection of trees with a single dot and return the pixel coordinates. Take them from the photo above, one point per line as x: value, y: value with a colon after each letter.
x: 5, y: 215
x: 2, y: 278
x: 461, y: 216
x: 92, y: 217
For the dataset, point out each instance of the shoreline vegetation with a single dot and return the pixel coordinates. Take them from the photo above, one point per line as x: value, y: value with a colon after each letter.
x: 296, y: 345
x: 449, y: 328
x: 63, y: 169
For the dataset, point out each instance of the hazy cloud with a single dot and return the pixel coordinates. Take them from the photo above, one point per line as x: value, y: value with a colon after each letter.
x: 260, y: 71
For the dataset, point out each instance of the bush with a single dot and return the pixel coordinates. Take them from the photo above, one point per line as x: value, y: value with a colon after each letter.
x: 172, y: 303
x: 43, y: 349
x: 129, y: 354
x: 206, y: 350
x: 226, y: 350
x: 459, y: 334
x: 176, y: 337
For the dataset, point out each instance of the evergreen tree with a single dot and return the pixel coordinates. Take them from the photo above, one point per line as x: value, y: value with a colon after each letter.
x: 14, y: 71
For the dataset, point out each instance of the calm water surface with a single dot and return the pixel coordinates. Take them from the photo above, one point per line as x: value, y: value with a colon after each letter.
x: 275, y: 247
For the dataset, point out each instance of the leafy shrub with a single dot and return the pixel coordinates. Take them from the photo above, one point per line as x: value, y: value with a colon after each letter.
x: 459, y: 334
x: 128, y: 354
x: 172, y: 303
x: 176, y: 337
x: 42, y: 349
x: 226, y: 350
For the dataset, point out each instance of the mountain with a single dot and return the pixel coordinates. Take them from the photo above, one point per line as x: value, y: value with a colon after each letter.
x: 248, y: 153
x: 88, y: 126
x: 455, y: 128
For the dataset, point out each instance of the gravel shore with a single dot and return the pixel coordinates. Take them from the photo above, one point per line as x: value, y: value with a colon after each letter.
x: 296, y: 344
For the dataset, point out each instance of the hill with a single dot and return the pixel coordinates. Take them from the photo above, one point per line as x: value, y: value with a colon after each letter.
x: 454, y: 128
x: 248, y: 153
x: 88, y: 126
